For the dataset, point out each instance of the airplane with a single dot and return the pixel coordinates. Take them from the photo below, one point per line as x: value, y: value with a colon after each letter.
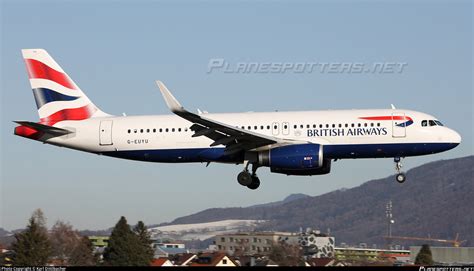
x: 300, y: 143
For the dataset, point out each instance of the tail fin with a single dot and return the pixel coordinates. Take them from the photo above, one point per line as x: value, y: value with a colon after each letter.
x: 57, y: 97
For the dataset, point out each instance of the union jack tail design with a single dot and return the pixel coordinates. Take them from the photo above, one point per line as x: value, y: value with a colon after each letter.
x: 57, y: 97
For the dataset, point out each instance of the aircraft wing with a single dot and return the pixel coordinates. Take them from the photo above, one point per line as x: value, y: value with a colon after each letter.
x: 233, y: 138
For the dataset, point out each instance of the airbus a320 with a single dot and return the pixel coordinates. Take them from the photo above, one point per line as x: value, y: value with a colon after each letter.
x: 291, y: 143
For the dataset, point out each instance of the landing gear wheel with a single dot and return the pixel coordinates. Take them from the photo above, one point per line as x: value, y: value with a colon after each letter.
x: 244, y: 178
x: 401, y: 177
x: 255, y: 183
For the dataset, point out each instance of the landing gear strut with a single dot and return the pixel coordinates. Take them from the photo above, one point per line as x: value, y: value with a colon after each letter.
x: 248, y: 179
x: 400, y: 177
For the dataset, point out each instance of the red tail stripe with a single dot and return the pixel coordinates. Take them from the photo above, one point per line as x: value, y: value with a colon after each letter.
x: 80, y: 113
x: 39, y: 70
x: 28, y: 132
x: 387, y: 118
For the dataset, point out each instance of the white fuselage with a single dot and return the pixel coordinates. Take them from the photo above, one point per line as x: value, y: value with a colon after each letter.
x: 343, y: 131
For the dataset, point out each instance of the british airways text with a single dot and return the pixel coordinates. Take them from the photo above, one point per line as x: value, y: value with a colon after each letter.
x: 349, y: 132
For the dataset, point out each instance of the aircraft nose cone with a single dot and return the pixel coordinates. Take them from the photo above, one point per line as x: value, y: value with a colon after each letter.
x: 455, y: 137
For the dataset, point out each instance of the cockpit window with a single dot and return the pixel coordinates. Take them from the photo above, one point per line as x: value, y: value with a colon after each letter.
x: 425, y: 123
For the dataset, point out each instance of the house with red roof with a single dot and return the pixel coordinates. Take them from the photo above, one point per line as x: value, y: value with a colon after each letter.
x: 213, y: 259
x: 161, y: 262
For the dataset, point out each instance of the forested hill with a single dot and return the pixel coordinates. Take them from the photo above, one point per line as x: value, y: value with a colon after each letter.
x: 437, y: 200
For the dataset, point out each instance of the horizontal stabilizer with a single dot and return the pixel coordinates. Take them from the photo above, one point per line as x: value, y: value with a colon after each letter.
x: 55, y: 131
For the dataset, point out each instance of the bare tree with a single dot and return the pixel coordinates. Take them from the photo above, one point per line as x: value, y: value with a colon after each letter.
x: 63, y: 239
x: 286, y: 255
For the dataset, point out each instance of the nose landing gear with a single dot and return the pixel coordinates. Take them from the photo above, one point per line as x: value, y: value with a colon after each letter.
x: 250, y: 180
x: 400, y: 177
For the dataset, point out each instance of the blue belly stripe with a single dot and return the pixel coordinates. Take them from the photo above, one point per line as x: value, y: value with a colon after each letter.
x: 330, y: 151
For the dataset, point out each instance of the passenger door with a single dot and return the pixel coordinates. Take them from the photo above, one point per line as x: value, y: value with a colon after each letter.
x: 105, y: 133
x: 398, y: 125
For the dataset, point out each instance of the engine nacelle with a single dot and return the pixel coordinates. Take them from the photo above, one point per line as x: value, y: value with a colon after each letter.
x: 301, y: 159
x: 325, y: 169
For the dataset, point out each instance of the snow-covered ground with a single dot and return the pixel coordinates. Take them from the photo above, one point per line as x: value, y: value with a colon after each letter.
x: 202, y: 231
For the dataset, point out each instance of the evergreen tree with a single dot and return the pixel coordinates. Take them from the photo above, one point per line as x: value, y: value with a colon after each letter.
x: 146, y: 252
x: 424, y: 257
x: 83, y: 254
x: 32, y: 246
x: 124, y: 247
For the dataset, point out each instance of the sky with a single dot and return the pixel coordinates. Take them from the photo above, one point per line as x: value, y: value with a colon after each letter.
x: 115, y: 50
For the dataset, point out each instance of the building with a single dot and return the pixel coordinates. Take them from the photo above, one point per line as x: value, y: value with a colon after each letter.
x: 183, y: 259
x: 99, y: 243
x: 166, y: 252
x: 250, y: 243
x: 266, y: 262
x: 212, y: 259
x: 322, y: 262
x: 367, y: 255
x: 168, y: 245
x: 314, y: 243
x: 161, y: 262
x: 167, y: 249
x: 447, y: 255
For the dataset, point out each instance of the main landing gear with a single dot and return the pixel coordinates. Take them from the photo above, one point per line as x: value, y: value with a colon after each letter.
x: 400, y: 177
x: 248, y: 179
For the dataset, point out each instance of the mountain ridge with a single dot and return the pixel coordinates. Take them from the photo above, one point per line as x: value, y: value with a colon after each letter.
x: 435, y: 200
